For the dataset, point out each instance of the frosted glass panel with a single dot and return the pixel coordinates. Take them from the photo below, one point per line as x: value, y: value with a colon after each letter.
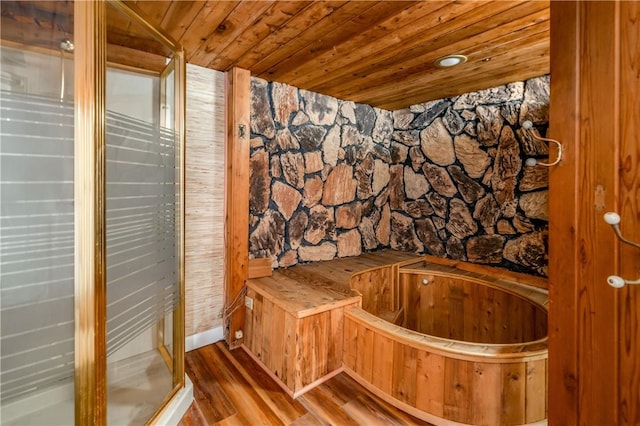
x: 142, y: 281
x: 36, y: 242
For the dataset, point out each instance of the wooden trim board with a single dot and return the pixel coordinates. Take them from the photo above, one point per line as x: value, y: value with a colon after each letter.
x: 238, y: 96
x: 259, y: 268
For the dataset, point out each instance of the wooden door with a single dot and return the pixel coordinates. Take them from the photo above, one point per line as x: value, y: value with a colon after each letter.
x: 594, y: 330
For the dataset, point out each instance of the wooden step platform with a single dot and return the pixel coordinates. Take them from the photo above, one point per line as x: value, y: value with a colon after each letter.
x: 294, y: 318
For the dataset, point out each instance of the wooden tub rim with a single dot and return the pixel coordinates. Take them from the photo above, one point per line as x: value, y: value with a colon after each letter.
x: 467, y: 351
x: 458, y: 349
x: 529, y: 294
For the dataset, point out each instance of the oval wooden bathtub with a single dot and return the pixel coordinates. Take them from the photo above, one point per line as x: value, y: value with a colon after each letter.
x: 450, y: 347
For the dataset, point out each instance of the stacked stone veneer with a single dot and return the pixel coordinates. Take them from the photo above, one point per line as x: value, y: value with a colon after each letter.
x: 319, y: 175
x: 331, y: 178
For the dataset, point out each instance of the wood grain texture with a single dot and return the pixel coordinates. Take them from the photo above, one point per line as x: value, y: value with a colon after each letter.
x: 563, y: 245
x: 380, y: 53
x: 594, y: 378
x: 295, y: 330
x: 459, y: 308
x: 629, y: 181
x: 305, y: 324
x: 259, y: 268
x: 237, y: 200
x: 231, y: 389
x: 204, y: 198
x: 445, y: 387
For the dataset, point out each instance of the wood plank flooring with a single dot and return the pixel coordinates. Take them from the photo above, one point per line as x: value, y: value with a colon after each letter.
x: 231, y: 389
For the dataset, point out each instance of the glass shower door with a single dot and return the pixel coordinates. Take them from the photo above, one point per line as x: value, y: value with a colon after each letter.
x: 143, y: 229
x: 36, y: 214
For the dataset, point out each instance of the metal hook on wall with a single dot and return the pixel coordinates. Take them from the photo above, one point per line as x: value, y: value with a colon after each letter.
x: 613, y: 219
x: 528, y: 126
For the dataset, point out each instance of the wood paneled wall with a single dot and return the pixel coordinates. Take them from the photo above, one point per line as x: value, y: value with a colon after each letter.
x: 204, y: 191
x: 594, y: 354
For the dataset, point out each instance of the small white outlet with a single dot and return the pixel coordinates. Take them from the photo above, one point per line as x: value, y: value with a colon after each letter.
x: 248, y: 302
x: 239, y: 334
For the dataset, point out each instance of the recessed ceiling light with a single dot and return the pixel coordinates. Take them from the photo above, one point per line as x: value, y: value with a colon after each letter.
x: 450, y: 61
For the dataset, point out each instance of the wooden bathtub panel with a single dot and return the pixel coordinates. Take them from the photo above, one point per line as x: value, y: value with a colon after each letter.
x: 487, y: 405
x: 430, y: 383
x: 458, y: 384
x: 382, y: 363
x: 377, y: 289
x: 350, y: 347
x: 472, y: 391
x: 403, y: 384
x: 453, y: 308
x: 514, y: 385
x: 364, y: 355
x: 536, y: 391
x: 277, y: 340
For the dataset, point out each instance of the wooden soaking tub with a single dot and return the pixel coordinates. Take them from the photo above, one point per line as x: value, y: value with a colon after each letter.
x: 449, y: 346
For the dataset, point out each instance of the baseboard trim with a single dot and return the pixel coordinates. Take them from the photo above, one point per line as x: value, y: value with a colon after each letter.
x: 178, y: 406
x: 203, y: 339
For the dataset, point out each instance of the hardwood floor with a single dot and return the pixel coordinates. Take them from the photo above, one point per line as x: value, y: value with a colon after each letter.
x: 231, y: 389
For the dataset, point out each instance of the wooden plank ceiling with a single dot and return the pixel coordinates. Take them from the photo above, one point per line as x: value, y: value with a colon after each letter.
x: 377, y: 52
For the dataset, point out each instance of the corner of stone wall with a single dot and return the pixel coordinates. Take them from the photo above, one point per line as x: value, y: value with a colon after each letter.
x: 461, y: 189
x: 332, y: 178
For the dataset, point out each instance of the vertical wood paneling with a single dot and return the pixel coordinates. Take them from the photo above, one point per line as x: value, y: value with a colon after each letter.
x: 350, y: 343
x: 514, y: 381
x: 596, y: 300
x: 586, y: 113
x: 629, y: 297
x: 267, y: 332
x: 458, y: 309
x: 204, y: 198
x: 563, y: 184
x: 237, y: 197
x: 377, y: 290
x: 364, y: 357
x: 487, y: 407
x: 430, y: 383
x: 536, y: 386
x: 458, y: 380
x: 382, y: 363
x: 290, y: 350
x: 403, y: 386
x: 334, y: 345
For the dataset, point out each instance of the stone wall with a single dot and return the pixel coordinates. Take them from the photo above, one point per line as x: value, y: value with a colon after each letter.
x: 319, y: 175
x: 331, y: 178
x: 459, y: 187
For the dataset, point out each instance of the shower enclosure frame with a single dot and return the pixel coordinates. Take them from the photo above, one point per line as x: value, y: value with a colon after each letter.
x: 90, y: 32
